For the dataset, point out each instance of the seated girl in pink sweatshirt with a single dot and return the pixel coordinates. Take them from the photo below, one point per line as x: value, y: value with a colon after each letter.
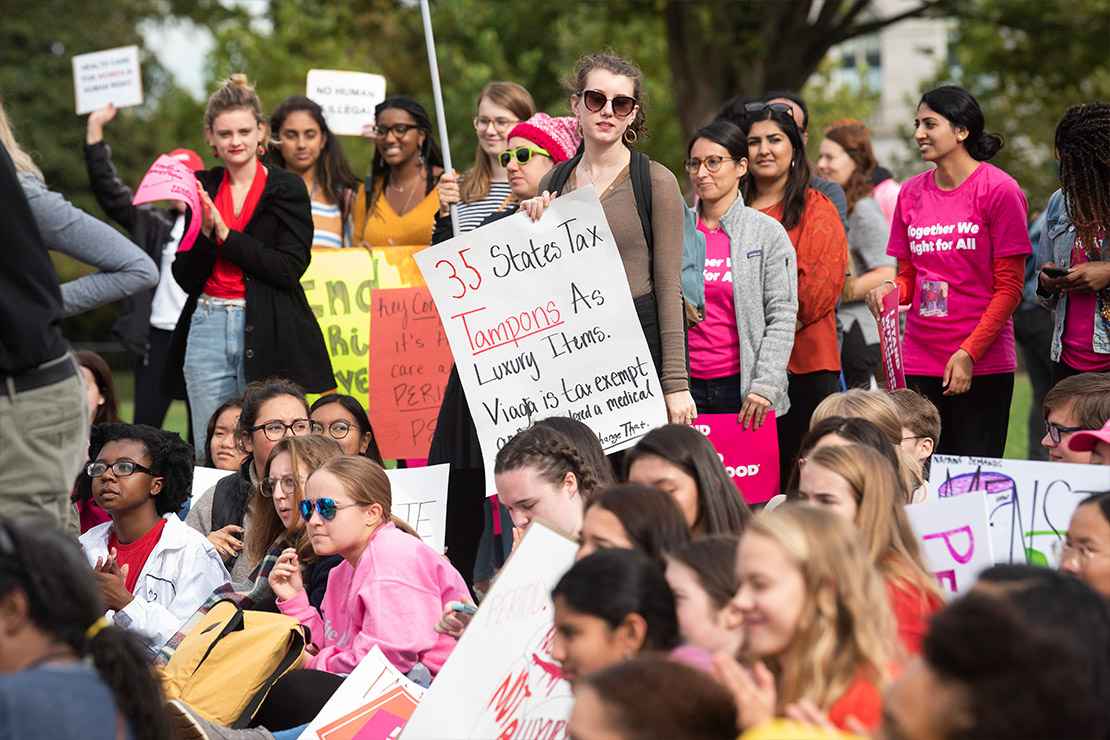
x: 391, y: 588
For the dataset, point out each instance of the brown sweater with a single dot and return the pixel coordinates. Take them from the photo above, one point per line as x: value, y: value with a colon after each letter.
x: 661, y: 274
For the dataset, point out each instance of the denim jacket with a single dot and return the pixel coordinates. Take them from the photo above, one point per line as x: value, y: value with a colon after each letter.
x: 1056, y: 245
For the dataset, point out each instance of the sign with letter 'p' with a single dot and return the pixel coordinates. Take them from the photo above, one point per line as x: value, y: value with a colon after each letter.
x: 541, y: 323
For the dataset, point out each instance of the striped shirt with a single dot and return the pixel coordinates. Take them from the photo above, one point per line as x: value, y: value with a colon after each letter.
x: 328, y: 223
x: 471, y: 215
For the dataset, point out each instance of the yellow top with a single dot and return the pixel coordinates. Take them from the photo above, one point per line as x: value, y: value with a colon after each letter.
x: 384, y: 228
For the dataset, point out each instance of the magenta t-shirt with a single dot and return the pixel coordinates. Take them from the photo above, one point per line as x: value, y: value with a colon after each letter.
x: 952, y: 238
x: 1077, y: 343
x: 715, y: 341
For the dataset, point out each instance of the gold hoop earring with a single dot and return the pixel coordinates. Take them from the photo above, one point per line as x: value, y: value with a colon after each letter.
x: 630, y: 136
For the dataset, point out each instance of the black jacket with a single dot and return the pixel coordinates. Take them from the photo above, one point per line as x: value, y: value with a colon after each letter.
x: 281, y: 336
x: 149, y: 227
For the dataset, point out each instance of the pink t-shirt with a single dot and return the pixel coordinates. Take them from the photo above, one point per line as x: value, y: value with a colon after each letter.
x: 715, y: 341
x: 1077, y: 343
x: 952, y: 238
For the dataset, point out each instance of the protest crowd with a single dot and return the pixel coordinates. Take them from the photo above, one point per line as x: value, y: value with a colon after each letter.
x: 669, y: 588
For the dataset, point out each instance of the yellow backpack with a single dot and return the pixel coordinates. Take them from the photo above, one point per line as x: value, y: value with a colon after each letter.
x: 227, y: 664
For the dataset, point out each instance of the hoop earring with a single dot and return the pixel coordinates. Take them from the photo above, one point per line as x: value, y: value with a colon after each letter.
x: 630, y: 136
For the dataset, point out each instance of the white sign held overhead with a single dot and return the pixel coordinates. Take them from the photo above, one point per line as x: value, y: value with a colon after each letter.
x: 541, y: 322
x: 109, y: 76
x: 420, y: 499
x: 348, y: 98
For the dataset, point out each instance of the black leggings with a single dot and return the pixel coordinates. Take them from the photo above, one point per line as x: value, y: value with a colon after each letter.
x: 296, y: 699
x: 806, y: 391
x: 975, y: 423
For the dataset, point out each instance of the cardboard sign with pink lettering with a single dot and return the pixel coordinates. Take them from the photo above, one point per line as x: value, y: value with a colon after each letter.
x: 955, y: 537
x: 750, y: 456
x: 890, y: 343
x: 501, y: 681
x: 170, y: 179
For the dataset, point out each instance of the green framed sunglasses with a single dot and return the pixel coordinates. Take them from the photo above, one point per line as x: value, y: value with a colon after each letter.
x: 522, y: 155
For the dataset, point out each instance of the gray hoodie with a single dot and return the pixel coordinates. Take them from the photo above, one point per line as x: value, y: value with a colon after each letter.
x: 765, y: 294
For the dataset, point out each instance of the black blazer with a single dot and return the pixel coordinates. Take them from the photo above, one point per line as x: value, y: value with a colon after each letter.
x: 281, y: 336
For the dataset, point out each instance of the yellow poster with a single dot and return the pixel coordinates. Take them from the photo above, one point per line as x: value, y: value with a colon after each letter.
x: 337, y: 284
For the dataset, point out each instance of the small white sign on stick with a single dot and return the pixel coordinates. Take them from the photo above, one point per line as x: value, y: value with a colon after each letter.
x: 955, y: 538
x: 205, y: 478
x: 109, y: 76
x: 420, y: 498
x: 348, y: 98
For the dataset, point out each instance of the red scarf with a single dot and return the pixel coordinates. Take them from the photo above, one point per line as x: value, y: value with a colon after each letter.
x: 226, y: 280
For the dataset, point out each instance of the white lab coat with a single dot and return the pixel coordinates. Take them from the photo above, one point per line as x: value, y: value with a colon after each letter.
x: 181, y: 573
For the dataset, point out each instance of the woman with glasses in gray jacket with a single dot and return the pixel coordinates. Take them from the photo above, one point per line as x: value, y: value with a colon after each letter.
x: 739, y: 351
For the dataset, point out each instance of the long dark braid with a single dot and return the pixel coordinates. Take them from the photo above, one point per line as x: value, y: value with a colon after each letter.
x: 1083, y: 145
x: 551, y: 454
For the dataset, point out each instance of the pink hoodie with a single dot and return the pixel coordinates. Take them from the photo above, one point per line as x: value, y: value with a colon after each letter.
x: 393, y: 599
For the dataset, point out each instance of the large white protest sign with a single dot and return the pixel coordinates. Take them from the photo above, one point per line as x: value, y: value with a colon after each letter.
x: 110, y: 76
x: 205, y: 478
x: 348, y: 98
x: 501, y: 680
x: 420, y: 498
x: 1030, y: 503
x: 372, y: 702
x: 955, y: 538
x: 541, y: 322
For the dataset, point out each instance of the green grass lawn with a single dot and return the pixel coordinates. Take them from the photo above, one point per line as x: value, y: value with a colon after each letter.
x: 1016, y: 440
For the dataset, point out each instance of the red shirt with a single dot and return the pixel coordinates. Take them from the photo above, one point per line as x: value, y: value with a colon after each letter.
x: 226, y: 280
x: 135, y: 553
x: 862, y: 700
x: 912, y: 610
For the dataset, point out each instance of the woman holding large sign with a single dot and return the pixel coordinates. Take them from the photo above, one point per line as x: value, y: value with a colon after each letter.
x: 606, y: 99
x: 247, y: 317
x: 960, y: 236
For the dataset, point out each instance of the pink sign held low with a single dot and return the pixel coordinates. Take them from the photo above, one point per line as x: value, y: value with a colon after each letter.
x: 750, y: 456
x: 890, y: 342
x: 169, y: 179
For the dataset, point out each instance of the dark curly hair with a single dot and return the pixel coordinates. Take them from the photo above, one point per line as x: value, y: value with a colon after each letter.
x: 612, y: 584
x: 995, y: 644
x: 381, y: 173
x: 576, y: 85
x: 63, y: 601
x: 721, y: 510
x: 552, y: 456
x: 1083, y: 146
x: 171, y: 459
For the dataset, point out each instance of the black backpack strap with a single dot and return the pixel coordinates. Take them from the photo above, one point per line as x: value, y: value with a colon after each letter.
x: 560, y: 173
x: 640, y: 172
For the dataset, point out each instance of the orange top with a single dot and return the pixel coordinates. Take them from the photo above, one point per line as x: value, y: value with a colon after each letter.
x: 384, y: 228
x: 912, y: 610
x: 822, y: 248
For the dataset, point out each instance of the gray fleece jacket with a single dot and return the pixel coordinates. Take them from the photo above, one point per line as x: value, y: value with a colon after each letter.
x: 765, y: 294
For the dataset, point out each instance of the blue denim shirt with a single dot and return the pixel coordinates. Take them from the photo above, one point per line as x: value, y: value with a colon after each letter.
x: 1056, y: 245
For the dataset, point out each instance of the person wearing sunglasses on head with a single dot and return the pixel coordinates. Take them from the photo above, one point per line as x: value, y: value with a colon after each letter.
x: 396, y: 206
x: 778, y: 184
x: 342, y: 418
x: 272, y: 410
x: 484, y: 188
x: 606, y: 99
x: 533, y: 147
x: 739, y: 351
x: 152, y: 569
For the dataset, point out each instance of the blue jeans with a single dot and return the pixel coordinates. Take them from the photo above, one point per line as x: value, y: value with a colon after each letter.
x: 214, y: 370
x: 290, y: 734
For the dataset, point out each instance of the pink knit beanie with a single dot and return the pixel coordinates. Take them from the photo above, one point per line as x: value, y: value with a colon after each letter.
x: 559, y: 136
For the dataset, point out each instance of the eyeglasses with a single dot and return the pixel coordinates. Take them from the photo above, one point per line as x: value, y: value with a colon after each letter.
x: 1057, y: 432
x: 269, y: 486
x: 1062, y: 550
x: 481, y: 123
x: 908, y: 437
x: 336, y: 430
x: 398, y: 129
x: 276, y: 429
x: 326, y: 506
x: 120, y: 468
x: 595, y: 100
x: 712, y: 164
x: 522, y: 154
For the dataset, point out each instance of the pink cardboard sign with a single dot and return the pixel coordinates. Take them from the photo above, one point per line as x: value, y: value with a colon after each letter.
x: 170, y: 179
x: 890, y: 342
x: 750, y: 456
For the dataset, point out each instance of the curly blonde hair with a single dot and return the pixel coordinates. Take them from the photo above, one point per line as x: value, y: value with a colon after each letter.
x: 846, y: 629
